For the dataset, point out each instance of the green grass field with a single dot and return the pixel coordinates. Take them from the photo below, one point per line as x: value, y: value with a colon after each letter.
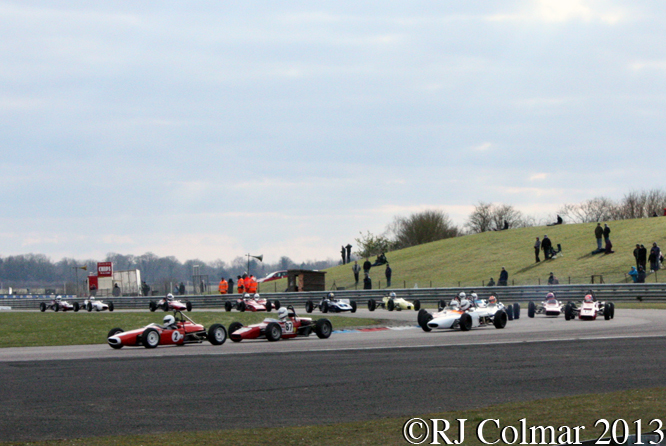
x: 570, y: 411
x: 472, y: 260
x: 31, y: 329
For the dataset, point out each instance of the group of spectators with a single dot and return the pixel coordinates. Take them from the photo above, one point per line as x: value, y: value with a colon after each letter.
x: 367, y: 280
x: 246, y: 283
x: 638, y: 272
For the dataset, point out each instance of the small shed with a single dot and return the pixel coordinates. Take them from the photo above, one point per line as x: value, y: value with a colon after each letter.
x: 305, y: 280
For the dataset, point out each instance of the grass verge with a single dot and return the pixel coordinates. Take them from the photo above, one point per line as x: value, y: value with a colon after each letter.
x: 32, y: 329
x: 582, y: 410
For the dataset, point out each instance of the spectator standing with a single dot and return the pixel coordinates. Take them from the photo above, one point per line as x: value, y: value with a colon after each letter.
x: 366, y: 266
x: 552, y: 280
x: 641, y: 275
x: 503, y: 278
x: 491, y: 282
x: 637, y: 251
x: 343, y: 254
x: 356, y: 269
x: 537, y: 248
x: 655, y: 254
x: 547, y: 247
x: 367, y: 282
x: 642, y: 258
x: 388, y: 273
x: 598, y: 233
x: 349, y: 247
x: 145, y: 288
x: 116, y: 290
x: 606, y: 234
x: 181, y: 289
x: 633, y: 273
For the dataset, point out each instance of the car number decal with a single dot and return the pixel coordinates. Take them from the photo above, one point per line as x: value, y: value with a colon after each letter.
x: 288, y: 327
x: 176, y: 336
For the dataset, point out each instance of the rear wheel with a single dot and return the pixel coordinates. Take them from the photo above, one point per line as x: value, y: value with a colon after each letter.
x: 390, y: 305
x: 531, y: 309
x: 241, y: 306
x: 509, y: 312
x: 323, y: 328
x: 110, y: 306
x: 76, y: 307
x: 612, y: 310
x: 89, y: 307
x: 324, y: 307
x: 273, y: 332
x: 269, y: 305
x: 465, y: 322
x: 499, y: 321
x: 165, y: 306
x: 309, y: 306
x: 150, y: 338
x: 232, y: 328
x: 516, y: 310
x: 42, y: 307
x: 423, y: 318
x: 417, y: 305
x: 276, y: 305
x: 227, y: 306
x: 372, y: 304
x: 217, y: 334
x: 607, y: 312
x: 353, y: 305
x: 152, y: 305
x: 188, y: 305
x: 568, y: 312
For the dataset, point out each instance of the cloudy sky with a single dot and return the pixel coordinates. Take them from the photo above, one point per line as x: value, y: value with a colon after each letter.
x: 214, y: 129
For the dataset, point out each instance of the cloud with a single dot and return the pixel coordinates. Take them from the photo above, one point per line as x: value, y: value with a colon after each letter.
x: 562, y: 11
x: 538, y: 176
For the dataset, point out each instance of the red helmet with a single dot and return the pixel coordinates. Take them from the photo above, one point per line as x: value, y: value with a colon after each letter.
x: 589, y: 298
x: 492, y: 300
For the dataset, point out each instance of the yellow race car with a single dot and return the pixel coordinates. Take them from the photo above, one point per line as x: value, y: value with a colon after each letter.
x: 392, y: 302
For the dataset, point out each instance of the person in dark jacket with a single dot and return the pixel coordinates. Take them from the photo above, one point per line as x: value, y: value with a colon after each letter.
x: 503, y: 278
x: 642, y: 257
x: 537, y: 249
x: 655, y: 254
x: 356, y: 269
x: 388, y: 273
x: 606, y: 234
x: 367, y: 282
x: 641, y: 275
x: 547, y: 246
x: 366, y: 266
x: 637, y: 251
x: 598, y: 233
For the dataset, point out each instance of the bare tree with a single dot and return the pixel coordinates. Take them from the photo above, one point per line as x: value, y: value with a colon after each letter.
x: 595, y: 209
x: 490, y: 217
x: 481, y: 219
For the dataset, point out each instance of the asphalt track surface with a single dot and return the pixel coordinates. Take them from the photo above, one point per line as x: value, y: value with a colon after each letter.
x: 81, y: 391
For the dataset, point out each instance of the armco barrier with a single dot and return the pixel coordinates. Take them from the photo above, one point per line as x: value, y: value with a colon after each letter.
x: 508, y: 294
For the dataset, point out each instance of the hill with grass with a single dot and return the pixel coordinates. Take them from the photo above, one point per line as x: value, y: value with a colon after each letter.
x: 471, y: 260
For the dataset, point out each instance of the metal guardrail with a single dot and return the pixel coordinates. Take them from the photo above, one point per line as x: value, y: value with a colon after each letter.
x: 613, y: 292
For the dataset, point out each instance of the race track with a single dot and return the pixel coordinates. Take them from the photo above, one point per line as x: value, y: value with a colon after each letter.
x: 79, y: 391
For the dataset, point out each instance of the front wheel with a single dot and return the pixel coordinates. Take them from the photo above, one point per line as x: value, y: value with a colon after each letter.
x: 273, y: 332
x: 89, y: 307
x: 227, y: 306
x: 56, y: 307
x: 76, y: 307
x: 324, y: 307
x: 323, y: 328
x: 269, y: 305
x: 150, y: 338
x: 516, y: 310
x: 499, y: 321
x: 372, y: 304
x: 241, y: 306
x: 42, y: 307
x: 152, y: 305
x: 353, y: 305
x: 612, y: 305
x: 390, y: 305
x: 465, y: 322
x: 276, y: 305
x: 309, y: 306
x: 217, y: 334
x: 568, y: 312
x: 531, y: 309
x: 111, y: 306
x: 188, y: 305
x: 423, y: 318
x: 417, y: 305
x: 509, y: 312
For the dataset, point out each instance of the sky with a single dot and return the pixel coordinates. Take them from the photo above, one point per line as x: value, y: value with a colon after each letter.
x: 211, y: 129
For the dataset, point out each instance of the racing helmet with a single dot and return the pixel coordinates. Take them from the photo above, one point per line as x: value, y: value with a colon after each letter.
x: 169, y: 320
x: 589, y: 298
x: 256, y: 295
x: 58, y: 298
x: 392, y: 295
x: 474, y: 296
x: 169, y: 296
x: 331, y: 295
x: 283, y: 313
x: 92, y: 297
x: 550, y: 296
x: 462, y: 295
x: 465, y: 304
x: 454, y: 303
x: 246, y: 296
x: 492, y: 299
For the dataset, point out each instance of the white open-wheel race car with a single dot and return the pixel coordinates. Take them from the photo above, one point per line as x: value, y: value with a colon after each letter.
x: 589, y: 309
x: 551, y: 306
x: 330, y: 303
x: 462, y: 313
x: 392, y: 302
x: 57, y: 304
x: 97, y: 305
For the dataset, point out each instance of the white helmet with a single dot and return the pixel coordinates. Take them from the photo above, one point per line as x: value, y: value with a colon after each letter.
x: 256, y: 295
x: 474, y: 296
x: 283, y: 313
x: 58, y: 298
x: 465, y: 304
x: 169, y: 320
x: 169, y: 296
x: 392, y: 294
x: 92, y: 297
x: 246, y: 296
x: 462, y: 295
x: 454, y: 303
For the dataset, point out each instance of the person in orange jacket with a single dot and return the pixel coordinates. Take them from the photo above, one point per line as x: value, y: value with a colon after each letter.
x: 248, y: 282
x: 223, y: 287
x: 252, y: 286
x: 240, y: 285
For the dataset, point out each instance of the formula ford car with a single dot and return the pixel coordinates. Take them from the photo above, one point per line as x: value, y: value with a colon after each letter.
x: 330, y: 303
x: 550, y: 307
x: 464, y: 316
x: 58, y: 304
x: 287, y: 326
x: 97, y: 305
x: 512, y: 311
x: 169, y: 304
x: 251, y: 303
x: 177, y: 330
x: 392, y: 302
x: 589, y: 309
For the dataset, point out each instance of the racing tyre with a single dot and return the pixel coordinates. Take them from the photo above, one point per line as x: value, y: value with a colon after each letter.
x: 150, y: 338
x: 324, y: 307
x: 56, y: 307
x: 509, y: 312
x: 217, y: 334
x: 417, y: 305
x: 568, y: 312
x: 372, y: 304
x: 309, y: 306
x: 227, y: 306
x: 269, y: 305
x: 390, y: 305
x: 110, y: 306
x: 353, y: 305
x: 152, y: 305
x: 76, y: 307
x: 441, y: 305
x: 323, y: 328
x: 241, y: 306
x: 531, y: 309
x: 89, y: 307
x: 607, y: 312
x: 166, y: 306
x: 499, y: 321
x: 273, y: 332
x: 612, y: 305
x: 516, y: 310
x: 188, y: 305
x: 423, y: 318
x: 232, y: 328
x: 465, y: 322
x: 42, y: 307
x: 277, y: 305
x: 113, y: 332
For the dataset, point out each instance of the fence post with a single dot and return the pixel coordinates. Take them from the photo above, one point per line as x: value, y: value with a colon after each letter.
x: 404, y: 284
x: 459, y: 284
x: 431, y: 284
x: 539, y: 280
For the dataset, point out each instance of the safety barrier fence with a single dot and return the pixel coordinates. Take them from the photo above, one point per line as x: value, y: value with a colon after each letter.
x: 614, y: 292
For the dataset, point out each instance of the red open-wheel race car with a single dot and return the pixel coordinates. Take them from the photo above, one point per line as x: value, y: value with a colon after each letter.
x: 251, y: 302
x: 287, y: 325
x: 176, y: 330
x: 170, y: 304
